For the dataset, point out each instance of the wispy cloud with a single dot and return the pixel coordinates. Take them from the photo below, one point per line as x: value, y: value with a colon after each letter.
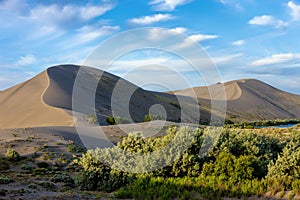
x: 158, y: 34
x: 278, y: 59
x: 294, y: 10
x: 233, y: 3
x: 202, y: 37
x: 145, y: 20
x: 59, y: 15
x: 192, y: 39
x: 89, y: 33
x: 238, y: 42
x: 167, y: 5
x: 27, y: 60
x: 267, y: 20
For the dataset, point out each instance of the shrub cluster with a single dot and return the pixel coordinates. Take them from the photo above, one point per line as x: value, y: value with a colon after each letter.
x: 242, y: 163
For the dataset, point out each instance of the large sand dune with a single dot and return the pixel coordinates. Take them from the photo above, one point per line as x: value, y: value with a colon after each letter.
x: 23, y: 106
x: 46, y: 100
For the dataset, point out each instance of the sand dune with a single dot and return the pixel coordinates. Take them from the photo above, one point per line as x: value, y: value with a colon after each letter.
x: 46, y: 100
x: 23, y: 106
x: 232, y: 91
x: 250, y: 99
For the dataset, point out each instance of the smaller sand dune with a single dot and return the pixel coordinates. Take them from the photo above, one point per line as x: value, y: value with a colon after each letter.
x: 230, y: 89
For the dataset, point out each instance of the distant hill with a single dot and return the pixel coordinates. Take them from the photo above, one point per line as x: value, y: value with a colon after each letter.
x: 251, y: 99
x: 46, y: 100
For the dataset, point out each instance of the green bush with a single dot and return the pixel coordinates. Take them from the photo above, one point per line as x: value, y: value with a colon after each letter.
x: 26, y: 167
x: 152, y: 117
x: 62, y: 178
x: 113, y: 120
x: 6, y: 180
x: 47, y: 185
x: 4, y: 164
x: 42, y: 165
x: 242, y: 163
x: 12, y: 155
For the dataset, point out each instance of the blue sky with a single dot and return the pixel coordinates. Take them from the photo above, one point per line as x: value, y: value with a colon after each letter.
x: 244, y: 38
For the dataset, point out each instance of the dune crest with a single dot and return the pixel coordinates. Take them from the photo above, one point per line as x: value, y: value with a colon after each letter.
x: 231, y: 89
x: 23, y: 106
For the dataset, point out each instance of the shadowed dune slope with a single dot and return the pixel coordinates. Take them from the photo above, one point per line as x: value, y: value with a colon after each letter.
x: 112, y: 93
x: 251, y: 99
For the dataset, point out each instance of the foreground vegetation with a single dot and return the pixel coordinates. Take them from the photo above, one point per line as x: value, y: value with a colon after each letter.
x: 244, y: 162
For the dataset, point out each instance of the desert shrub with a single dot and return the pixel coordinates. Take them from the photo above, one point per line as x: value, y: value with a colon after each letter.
x: 6, y: 180
x: 32, y: 186
x: 39, y: 171
x: 75, y: 148
x: 26, y: 167
x: 42, y: 164
x: 113, y: 120
x: 62, y: 178
x: 242, y: 163
x: 47, y: 185
x: 12, y: 155
x: 231, y: 168
x: 4, y: 164
x: 97, y: 176
x: 92, y: 119
x: 102, y: 181
x: 246, y: 142
x: 296, y: 186
x: 152, y: 117
x: 211, y: 187
x: 3, y: 192
x: 286, y: 169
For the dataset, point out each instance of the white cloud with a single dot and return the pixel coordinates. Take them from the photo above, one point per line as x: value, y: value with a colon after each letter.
x: 151, y: 19
x: 201, y: 37
x: 167, y: 5
x: 295, y: 10
x: 225, y: 59
x: 90, y: 12
x: 277, y: 59
x: 188, y: 42
x: 267, y: 20
x: 88, y: 34
x: 179, y: 30
x: 27, y: 60
x: 233, y: 3
x: 57, y: 14
x: 238, y: 42
x: 158, y: 34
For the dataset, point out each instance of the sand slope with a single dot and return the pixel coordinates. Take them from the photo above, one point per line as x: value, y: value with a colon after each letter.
x: 250, y: 99
x: 232, y: 91
x: 112, y: 93
x: 46, y: 100
x: 23, y: 106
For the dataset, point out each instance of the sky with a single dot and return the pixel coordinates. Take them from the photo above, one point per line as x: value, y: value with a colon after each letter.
x: 243, y: 38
